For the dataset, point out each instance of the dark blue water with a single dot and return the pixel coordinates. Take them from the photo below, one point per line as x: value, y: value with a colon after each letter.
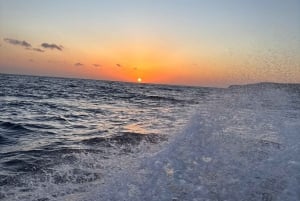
x: 45, y: 121
x: 74, y: 139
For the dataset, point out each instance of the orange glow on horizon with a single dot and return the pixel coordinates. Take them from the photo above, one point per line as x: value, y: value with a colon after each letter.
x: 151, y: 61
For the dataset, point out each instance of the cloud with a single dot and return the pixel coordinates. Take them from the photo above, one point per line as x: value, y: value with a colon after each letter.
x: 78, y: 64
x: 52, y: 46
x: 119, y: 65
x: 17, y: 42
x: 28, y: 46
x: 97, y: 65
x: 37, y: 50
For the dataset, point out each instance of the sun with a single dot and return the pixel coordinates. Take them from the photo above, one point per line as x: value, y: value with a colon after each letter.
x: 139, y: 80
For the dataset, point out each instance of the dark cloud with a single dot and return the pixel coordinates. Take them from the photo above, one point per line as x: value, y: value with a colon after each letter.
x: 96, y: 65
x: 52, y: 46
x: 78, y: 64
x: 119, y: 65
x: 31, y: 60
x: 37, y: 50
x: 17, y: 42
x: 28, y: 46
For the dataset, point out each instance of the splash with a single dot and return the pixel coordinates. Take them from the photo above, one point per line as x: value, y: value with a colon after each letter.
x: 240, y: 147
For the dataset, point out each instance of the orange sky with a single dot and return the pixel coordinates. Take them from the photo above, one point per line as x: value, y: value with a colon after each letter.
x: 173, y: 43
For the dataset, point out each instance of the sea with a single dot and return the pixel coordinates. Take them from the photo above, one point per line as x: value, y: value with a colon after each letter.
x: 89, y: 140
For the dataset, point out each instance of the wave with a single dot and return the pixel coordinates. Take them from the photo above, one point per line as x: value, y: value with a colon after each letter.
x: 224, y: 153
x: 163, y: 98
x: 115, y: 143
x: 13, y: 126
x: 4, y: 140
x: 126, y: 138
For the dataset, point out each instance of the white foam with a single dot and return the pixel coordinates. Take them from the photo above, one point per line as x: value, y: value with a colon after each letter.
x: 226, y: 152
x: 237, y: 146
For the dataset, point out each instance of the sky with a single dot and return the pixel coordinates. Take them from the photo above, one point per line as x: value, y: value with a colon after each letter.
x: 182, y: 42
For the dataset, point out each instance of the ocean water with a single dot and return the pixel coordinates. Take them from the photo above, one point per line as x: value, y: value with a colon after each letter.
x: 74, y: 139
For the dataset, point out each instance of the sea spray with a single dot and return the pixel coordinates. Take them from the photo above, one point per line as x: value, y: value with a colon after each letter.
x: 70, y: 139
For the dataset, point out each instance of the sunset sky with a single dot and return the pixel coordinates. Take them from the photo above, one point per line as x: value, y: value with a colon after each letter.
x: 189, y: 42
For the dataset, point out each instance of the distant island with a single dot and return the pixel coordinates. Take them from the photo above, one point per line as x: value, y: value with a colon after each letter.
x: 266, y: 85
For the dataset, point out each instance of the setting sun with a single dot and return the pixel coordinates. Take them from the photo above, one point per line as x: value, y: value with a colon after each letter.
x: 127, y: 42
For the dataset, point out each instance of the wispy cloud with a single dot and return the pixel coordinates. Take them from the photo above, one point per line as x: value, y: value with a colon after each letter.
x: 28, y: 46
x: 52, y: 46
x: 17, y: 42
x: 96, y: 65
x: 37, y: 50
x: 78, y: 64
x: 118, y: 65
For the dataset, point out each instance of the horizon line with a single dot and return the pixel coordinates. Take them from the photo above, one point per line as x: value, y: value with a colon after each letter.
x: 148, y: 83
